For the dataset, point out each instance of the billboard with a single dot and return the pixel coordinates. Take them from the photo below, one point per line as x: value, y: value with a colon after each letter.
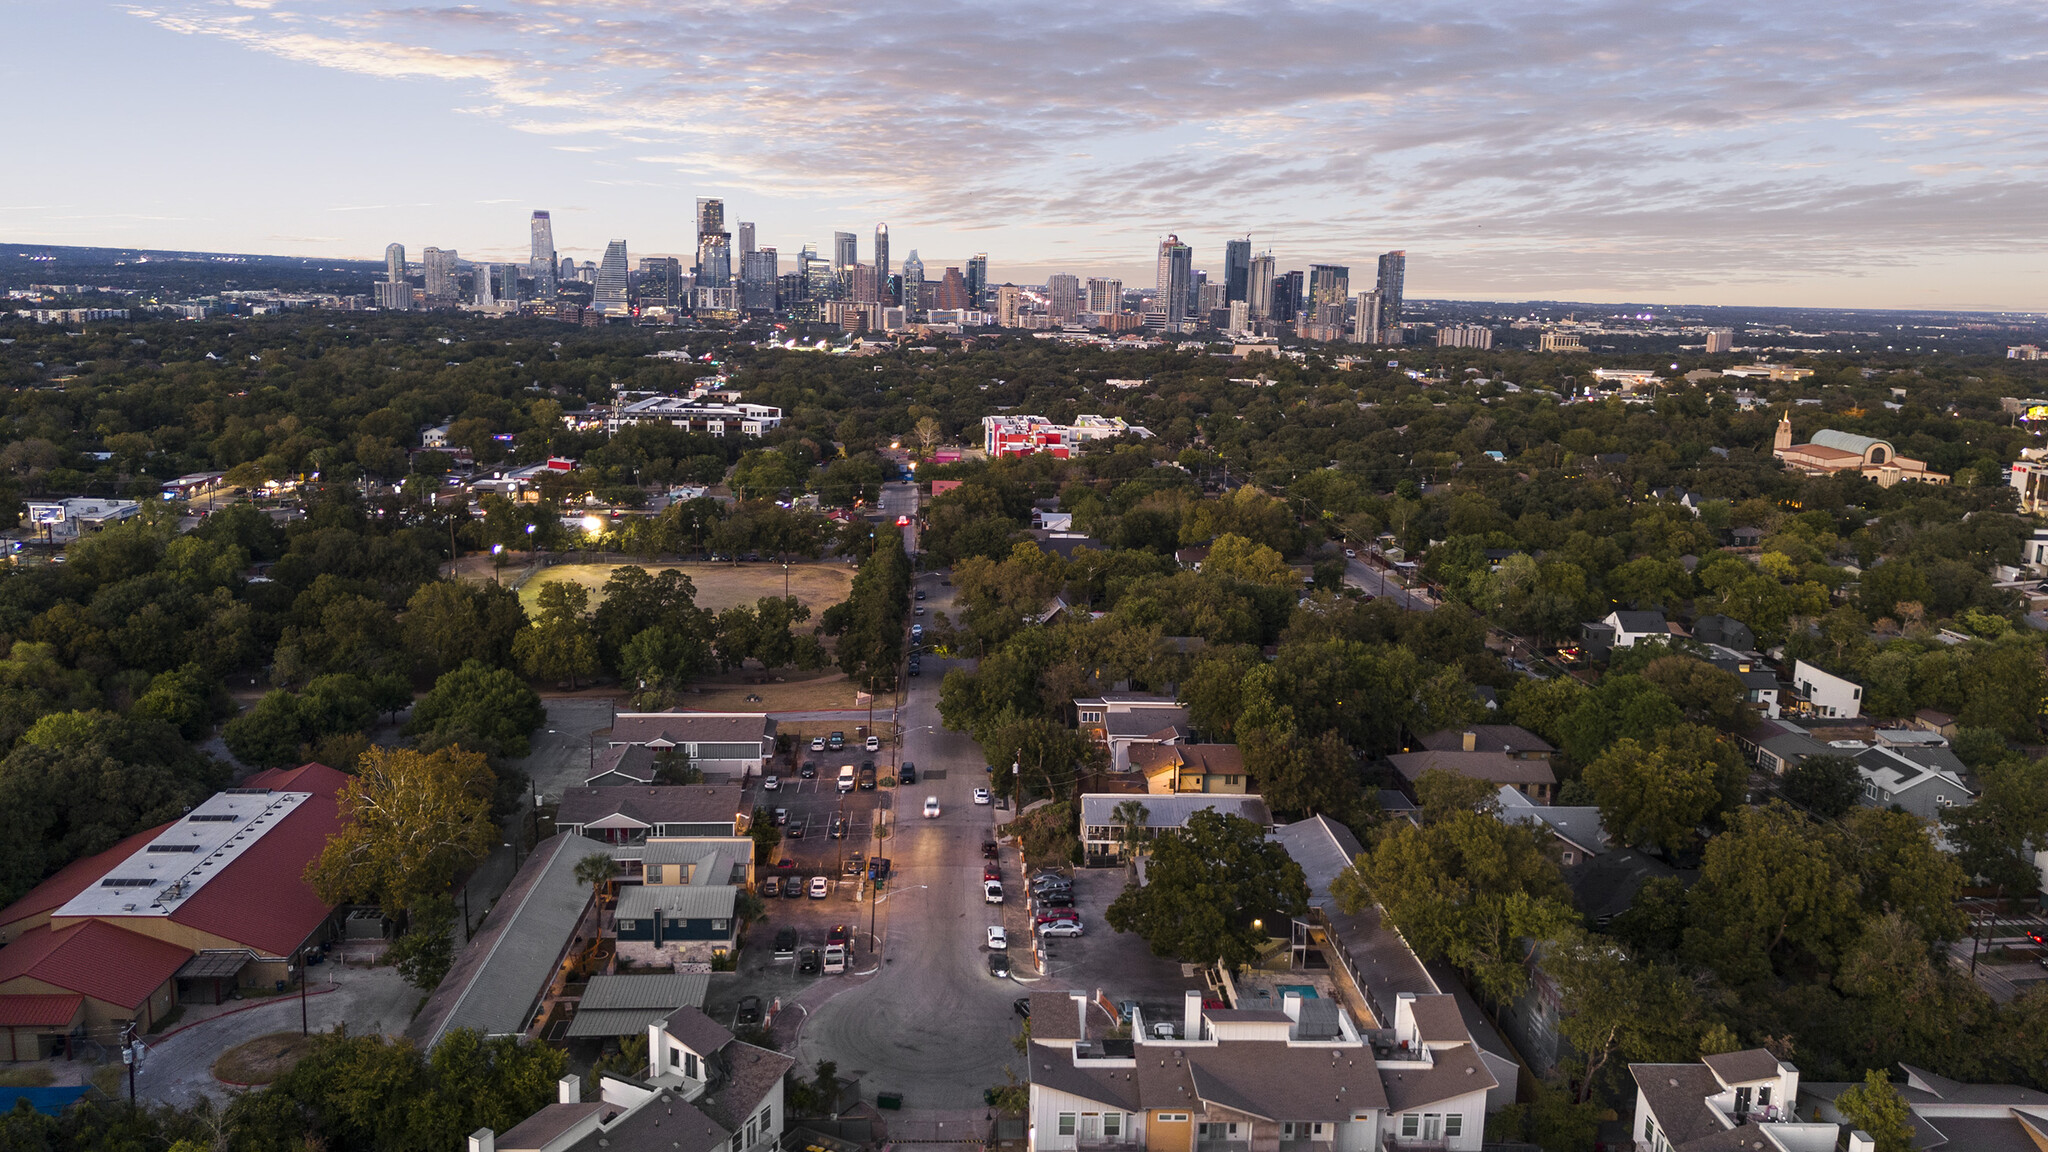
x: 46, y: 513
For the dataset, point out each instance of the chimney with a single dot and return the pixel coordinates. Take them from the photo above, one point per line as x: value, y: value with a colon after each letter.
x: 1471, y: 740
x: 1291, y: 1005
x: 1861, y: 1141
x: 1081, y: 1002
x: 483, y: 1140
x: 569, y: 1089
x: 1191, y: 1015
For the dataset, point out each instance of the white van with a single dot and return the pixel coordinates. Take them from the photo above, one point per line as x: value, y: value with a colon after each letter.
x: 846, y: 781
x: 835, y: 958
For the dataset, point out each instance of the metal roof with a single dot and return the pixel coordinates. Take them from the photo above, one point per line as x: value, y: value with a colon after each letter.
x: 687, y: 902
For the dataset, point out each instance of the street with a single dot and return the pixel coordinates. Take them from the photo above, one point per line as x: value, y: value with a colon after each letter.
x: 1374, y: 582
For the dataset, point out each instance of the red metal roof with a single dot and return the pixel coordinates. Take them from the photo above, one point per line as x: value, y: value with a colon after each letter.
x: 74, y: 878
x: 94, y: 958
x: 39, y: 1010
x: 261, y: 899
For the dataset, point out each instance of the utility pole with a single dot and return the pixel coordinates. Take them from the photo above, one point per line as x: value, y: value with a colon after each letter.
x: 128, y: 1057
x: 303, y: 1030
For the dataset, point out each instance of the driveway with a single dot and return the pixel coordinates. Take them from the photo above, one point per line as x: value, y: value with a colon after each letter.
x: 178, y: 1067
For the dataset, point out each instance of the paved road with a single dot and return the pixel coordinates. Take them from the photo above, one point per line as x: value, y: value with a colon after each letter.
x: 902, y: 498
x: 931, y: 1023
x: 1374, y: 582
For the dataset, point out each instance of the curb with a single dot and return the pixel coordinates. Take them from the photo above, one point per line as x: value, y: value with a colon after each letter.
x: 244, y: 1008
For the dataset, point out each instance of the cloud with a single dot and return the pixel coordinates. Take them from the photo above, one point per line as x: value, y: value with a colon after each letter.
x: 1596, y: 137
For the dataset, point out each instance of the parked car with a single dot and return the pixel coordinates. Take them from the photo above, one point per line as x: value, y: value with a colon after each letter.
x: 998, y: 940
x: 749, y: 1011
x: 1060, y: 928
x: 917, y: 631
x: 771, y: 782
x: 907, y: 774
x: 981, y: 795
x: 917, y: 611
x: 772, y: 886
x: 992, y: 891
x: 810, y: 769
x: 914, y: 670
x: 793, y: 887
x: 867, y: 778
x: 785, y: 943
x: 920, y: 593
x: 837, y: 741
x: 839, y: 935
x: 1054, y: 899
x: 988, y: 849
x: 991, y: 871
x: 931, y: 807
x: 796, y: 830
x: 854, y: 864
x: 820, y: 887
x: 874, y: 744
x: 999, y: 965
x: 1021, y: 1006
x: 807, y: 962
x: 817, y: 743
x: 835, y: 960
x: 839, y: 826
x: 1049, y: 915
x: 781, y: 817
x: 1163, y: 1030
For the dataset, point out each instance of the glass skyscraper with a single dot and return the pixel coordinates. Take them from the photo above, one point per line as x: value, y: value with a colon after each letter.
x: 611, y: 294
x: 1237, y: 261
x: 542, y: 264
x: 1176, y: 281
x: 977, y: 280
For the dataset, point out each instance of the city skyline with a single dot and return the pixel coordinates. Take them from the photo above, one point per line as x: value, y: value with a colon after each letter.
x: 1849, y: 158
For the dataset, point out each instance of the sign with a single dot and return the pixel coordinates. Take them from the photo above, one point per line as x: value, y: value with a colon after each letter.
x: 46, y: 513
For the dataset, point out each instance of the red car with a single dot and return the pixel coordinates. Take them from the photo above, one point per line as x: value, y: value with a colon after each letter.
x: 991, y: 872
x: 1052, y: 914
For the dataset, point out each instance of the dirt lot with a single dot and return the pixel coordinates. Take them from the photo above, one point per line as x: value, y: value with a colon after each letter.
x: 719, y: 586
x: 796, y: 691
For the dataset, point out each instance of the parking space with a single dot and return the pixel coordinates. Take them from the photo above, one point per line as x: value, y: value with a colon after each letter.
x: 1119, y: 964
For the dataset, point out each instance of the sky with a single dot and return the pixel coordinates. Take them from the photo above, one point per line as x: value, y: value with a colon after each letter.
x: 1875, y: 154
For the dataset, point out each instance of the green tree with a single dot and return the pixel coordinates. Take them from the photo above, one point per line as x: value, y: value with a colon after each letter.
x: 1878, y: 1108
x: 414, y: 819
x: 1899, y: 868
x: 1826, y: 786
x: 269, y: 734
x: 766, y: 836
x: 1129, y: 817
x: 1997, y: 836
x: 1706, y: 694
x: 1651, y: 795
x: 447, y: 623
x: 1214, y: 891
x: 478, y: 706
x: 1300, y: 776
x: 1769, y: 886
x: 426, y: 950
x: 596, y: 870
x: 560, y: 651
x: 1618, y: 1005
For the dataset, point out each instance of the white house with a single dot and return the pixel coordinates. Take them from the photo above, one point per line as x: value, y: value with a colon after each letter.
x: 1732, y: 1100
x: 1817, y: 692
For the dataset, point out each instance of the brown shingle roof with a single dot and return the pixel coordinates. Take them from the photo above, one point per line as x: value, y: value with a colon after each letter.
x: 1054, y: 1068
x: 750, y: 1073
x: 1744, y: 1067
x: 1457, y: 1071
x: 1677, y: 1095
x: 698, y: 1032
x: 1487, y: 738
x: 691, y: 727
x: 1494, y: 767
x: 1272, y: 1080
x: 548, y: 1124
x: 654, y: 804
x: 1437, y: 1018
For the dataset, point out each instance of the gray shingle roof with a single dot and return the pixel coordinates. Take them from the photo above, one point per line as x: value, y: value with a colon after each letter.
x: 692, y: 727
x: 1457, y: 1071
x: 1486, y: 738
x: 653, y: 804
x: 698, y: 1032
x: 1677, y: 1095
x: 1323, y: 848
x: 1494, y: 767
x: 1744, y: 1067
x: 1097, y: 808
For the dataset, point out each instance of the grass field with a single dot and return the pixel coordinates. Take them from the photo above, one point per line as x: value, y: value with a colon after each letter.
x: 719, y: 586
x: 263, y: 1059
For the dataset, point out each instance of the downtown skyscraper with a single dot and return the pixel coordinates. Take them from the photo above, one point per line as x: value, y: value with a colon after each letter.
x: 1176, y: 281
x: 441, y: 277
x: 1237, y: 261
x: 542, y: 264
x: 882, y: 262
x: 611, y: 295
x: 1258, y: 295
x: 913, y: 285
x: 394, y: 263
x: 1392, y: 279
x: 714, y: 245
x: 845, y: 253
x: 977, y: 280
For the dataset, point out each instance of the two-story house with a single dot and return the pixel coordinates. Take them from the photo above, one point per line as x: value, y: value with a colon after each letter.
x: 1176, y: 768
x: 1122, y: 722
x: 1760, y: 685
x: 1299, y: 1079
x: 1103, y: 831
x: 627, y: 817
x: 1925, y: 781
x: 1822, y: 694
x: 1622, y: 628
x: 1732, y: 1100
x: 703, y: 1091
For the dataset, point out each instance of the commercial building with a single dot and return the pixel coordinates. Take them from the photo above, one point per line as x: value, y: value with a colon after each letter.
x: 1175, y: 281
x: 1105, y: 296
x: 442, y: 283
x: 1024, y: 435
x: 1830, y: 452
x: 697, y: 414
x: 1464, y: 336
x: 977, y: 281
x: 1393, y: 281
x: 1559, y: 342
x: 1720, y: 340
x: 728, y: 743
x: 541, y: 265
x: 611, y: 296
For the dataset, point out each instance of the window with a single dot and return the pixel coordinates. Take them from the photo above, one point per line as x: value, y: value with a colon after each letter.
x: 1172, y: 1118
x: 1763, y: 1096
x: 1112, y: 1124
x: 690, y: 1066
x: 1091, y: 717
x: 1569, y: 859
x: 1410, y: 1124
x: 675, y: 1057
x: 1454, y: 1124
x: 1066, y: 1123
x: 720, y: 925
x: 626, y: 925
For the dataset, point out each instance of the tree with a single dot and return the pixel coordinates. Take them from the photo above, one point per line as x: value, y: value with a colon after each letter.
x: 1651, y: 795
x: 1129, y: 816
x: 557, y: 650
x: 1469, y: 889
x: 1706, y: 694
x: 1443, y: 794
x: 1236, y: 558
x: 1899, y: 868
x: 1301, y: 776
x: 426, y: 950
x: 1615, y: 1004
x: 1878, y: 1108
x: 595, y: 871
x: 766, y: 836
x: 1045, y: 754
x: 1997, y: 836
x: 1214, y: 891
x: 269, y: 735
x: 447, y: 623
x: 414, y: 819
x: 1826, y: 786
x: 1768, y: 885
x: 478, y: 706
x: 928, y: 433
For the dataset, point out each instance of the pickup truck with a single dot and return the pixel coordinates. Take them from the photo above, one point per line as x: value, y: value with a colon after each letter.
x: 835, y: 959
x: 836, y: 741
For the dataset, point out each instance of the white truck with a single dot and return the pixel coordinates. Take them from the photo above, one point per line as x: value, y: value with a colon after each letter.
x: 835, y: 959
x: 846, y: 778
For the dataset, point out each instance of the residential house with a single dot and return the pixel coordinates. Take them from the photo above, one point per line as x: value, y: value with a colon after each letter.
x: 1507, y: 739
x: 1819, y: 693
x: 1732, y: 1100
x: 1302, y: 1078
x: 624, y: 1005
x: 1622, y: 629
x: 627, y: 818
x: 1174, y: 768
x: 1531, y: 775
x: 622, y: 764
x: 698, y: 860
x: 1760, y: 685
x: 734, y: 743
x: 1923, y: 781
x: 1933, y: 721
x: 1776, y: 745
x: 1102, y: 834
x: 1192, y: 558
x: 1725, y: 631
x: 1949, y: 1115
x: 1122, y: 722
x: 1577, y: 830
x: 683, y: 923
x: 704, y: 1091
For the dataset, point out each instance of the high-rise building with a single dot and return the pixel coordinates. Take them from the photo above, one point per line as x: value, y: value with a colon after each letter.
x: 611, y: 296
x: 1105, y: 297
x: 913, y: 286
x: 661, y: 281
x: 758, y: 273
x: 1237, y: 267
x: 1009, y: 306
x: 1259, y: 287
x: 483, y: 285
x: 1176, y: 280
x: 1329, y: 284
x: 845, y: 253
x: 1720, y: 340
x: 714, y: 260
x: 542, y: 264
x: 977, y: 281
x: 441, y: 279
x: 1195, y: 281
x: 746, y: 240
x: 822, y: 278
x: 865, y: 286
x: 1366, y: 327
x: 710, y: 216
x: 1287, y: 297
x: 1240, y: 316
x: 394, y: 263
x: 566, y: 274
x: 1393, y: 276
x: 1464, y: 336
x: 952, y: 294
x: 508, y: 283
x: 393, y: 297
x: 1209, y: 297
x: 882, y: 272
x: 1063, y: 296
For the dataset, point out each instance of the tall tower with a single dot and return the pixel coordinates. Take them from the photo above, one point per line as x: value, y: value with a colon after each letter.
x: 394, y: 263
x: 977, y: 280
x: 1237, y: 261
x: 1064, y: 296
x: 484, y: 285
x: 845, y: 253
x: 610, y: 296
x: 1783, y: 439
x: 746, y: 239
x: 1105, y: 296
x: 1258, y: 295
x: 882, y: 262
x: 440, y: 265
x: 913, y: 285
x: 1393, y: 275
x: 710, y: 216
x: 542, y: 264
x: 1176, y: 278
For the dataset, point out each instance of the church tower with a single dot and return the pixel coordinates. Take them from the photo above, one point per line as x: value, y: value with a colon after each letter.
x: 1784, y: 438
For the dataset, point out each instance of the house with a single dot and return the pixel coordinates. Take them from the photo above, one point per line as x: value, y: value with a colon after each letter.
x: 1923, y: 781
x: 1102, y: 834
x: 1605, y: 885
x: 688, y: 923
x: 1192, y: 558
x: 1949, y: 1115
x: 186, y: 911
x: 1622, y: 629
x: 1776, y: 745
x: 1506, y: 739
x: 1302, y: 1078
x: 622, y: 764
x: 1122, y: 722
x: 733, y: 743
x: 1172, y: 768
x: 1819, y: 693
x: 627, y: 817
x: 1832, y: 452
x: 497, y: 983
x: 700, y: 860
x: 704, y: 1091
x: 1576, y: 829
x: 1725, y: 631
x: 1533, y: 777
x: 1933, y: 721
x: 1731, y: 1100
x: 1760, y: 685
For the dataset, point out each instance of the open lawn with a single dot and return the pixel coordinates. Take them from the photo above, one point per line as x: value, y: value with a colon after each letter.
x: 719, y: 586
x: 263, y: 1059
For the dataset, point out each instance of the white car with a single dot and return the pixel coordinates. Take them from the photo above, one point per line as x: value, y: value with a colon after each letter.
x: 981, y: 795
x: 1350, y: 554
x: 931, y: 807
x: 874, y: 744
x: 771, y: 783
x: 1060, y: 928
x: 817, y: 743
x: 992, y: 891
x: 820, y: 887
x: 998, y: 940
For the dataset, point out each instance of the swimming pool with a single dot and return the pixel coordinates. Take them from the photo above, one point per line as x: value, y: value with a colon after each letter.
x: 1307, y: 991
